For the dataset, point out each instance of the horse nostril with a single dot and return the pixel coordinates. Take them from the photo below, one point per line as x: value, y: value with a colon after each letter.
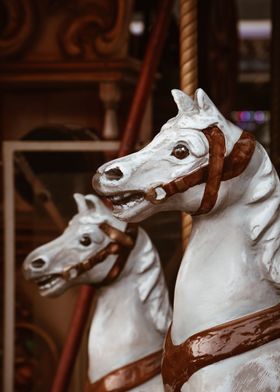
x: 114, y: 173
x: 38, y: 263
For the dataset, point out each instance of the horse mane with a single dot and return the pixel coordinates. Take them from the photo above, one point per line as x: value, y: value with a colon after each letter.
x: 151, y: 287
x: 263, y: 197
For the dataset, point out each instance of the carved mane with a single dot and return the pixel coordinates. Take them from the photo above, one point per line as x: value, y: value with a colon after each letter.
x: 264, y: 217
x: 152, y: 289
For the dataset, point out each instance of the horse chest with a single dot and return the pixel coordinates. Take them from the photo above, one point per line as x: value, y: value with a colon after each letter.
x: 116, y: 317
x: 120, y: 332
x: 215, y: 277
x: 255, y: 371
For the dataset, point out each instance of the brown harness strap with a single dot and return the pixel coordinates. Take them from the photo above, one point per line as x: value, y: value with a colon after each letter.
x: 72, y: 271
x: 118, y: 236
x: 116, y: 269
x: 217, y: 150
x: 223, y: 341
x: 128, y: 376
x: 219, y: 169
x: 122, y: 244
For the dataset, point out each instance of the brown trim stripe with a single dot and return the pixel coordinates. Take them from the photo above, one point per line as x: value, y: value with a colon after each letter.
x: 223, y: 341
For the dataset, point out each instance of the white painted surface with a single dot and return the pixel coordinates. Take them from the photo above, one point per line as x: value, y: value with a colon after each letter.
x: 132, y: 314
x: 232, y: 264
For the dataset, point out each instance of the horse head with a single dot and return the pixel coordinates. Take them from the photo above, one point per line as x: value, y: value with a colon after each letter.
x: 85, y: 243
x: 155, y: 178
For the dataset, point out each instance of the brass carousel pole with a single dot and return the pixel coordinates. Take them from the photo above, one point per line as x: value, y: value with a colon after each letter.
x: 188, y: 72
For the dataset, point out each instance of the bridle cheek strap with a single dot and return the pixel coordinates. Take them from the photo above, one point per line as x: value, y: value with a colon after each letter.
x: 121, y: 245
x: 125, y: 247
x: 129, y: 376
x: 219, y: 168
x: 217, y: 150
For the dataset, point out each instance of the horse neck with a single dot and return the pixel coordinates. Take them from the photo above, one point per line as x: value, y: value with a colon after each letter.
x: 220, y: 278
x: 123, y: 329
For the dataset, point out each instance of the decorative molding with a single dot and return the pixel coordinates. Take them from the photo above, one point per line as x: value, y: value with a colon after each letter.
x: 116, y: 40
x: 18, y: 26
x: 99, y: 29
x: 63, y: 73
x: 81, y: 30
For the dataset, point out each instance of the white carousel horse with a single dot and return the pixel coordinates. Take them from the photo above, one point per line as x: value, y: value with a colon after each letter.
x: 205, y: 165
x: 132, y: 312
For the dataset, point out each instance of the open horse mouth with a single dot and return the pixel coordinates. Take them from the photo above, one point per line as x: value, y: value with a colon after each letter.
x: 125, y: 199
x: 48, y: 282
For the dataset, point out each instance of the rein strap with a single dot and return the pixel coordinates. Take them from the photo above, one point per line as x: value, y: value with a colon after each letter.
x: 129, y: 376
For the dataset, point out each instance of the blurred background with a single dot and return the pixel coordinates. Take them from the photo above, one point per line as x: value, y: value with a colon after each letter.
x: 68, y: 70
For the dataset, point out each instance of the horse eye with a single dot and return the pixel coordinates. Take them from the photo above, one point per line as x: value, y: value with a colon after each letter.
x: 180, y: 151
x: 85, y: 240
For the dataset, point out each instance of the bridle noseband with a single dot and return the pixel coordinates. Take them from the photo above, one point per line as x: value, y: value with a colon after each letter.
x: 219, y: 168
x: 121, y: 244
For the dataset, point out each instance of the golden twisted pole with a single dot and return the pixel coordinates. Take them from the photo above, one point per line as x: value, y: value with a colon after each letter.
x: 188, y: 72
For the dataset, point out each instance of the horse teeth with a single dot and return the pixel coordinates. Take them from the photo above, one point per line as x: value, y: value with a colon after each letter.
x: 47, y: 282
x: 118, y: 197
x: 53, y: 282
x: 46, y: 286
x: 115, y: 197
x: 43, y: 278
x: 125, y: 198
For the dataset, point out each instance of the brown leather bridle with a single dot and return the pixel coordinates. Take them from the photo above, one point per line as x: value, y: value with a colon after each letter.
x: 121, y: 244
x: 128, y: 376
x: 219, y: 168
x: 217, y: 343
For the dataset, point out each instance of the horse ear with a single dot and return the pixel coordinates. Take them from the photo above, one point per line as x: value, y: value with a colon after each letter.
x: 92, y: 202
x: 80, y: 201
x: 95, y: 203
x: 182, y: 100
x: 203, y: 101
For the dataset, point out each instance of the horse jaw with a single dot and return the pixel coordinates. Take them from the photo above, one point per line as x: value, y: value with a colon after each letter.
x: 54, y: 289
x: 49, y: 280
x: 49, y: 284
x: 135, y: 212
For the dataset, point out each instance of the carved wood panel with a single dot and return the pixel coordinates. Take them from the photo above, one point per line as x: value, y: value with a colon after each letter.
x: 62, y: 30
x: 18, y: 25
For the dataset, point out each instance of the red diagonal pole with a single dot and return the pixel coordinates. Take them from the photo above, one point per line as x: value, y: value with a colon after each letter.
x: 138, y: 106
x: 147, y: 74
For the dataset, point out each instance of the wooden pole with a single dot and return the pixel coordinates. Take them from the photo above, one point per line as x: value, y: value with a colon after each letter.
x: 188, y: 72
x: 188, y: 45
x: 141, y: 95
x: 73, y: 340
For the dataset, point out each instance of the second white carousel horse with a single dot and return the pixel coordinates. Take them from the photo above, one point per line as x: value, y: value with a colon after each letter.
x: 132, y: 312
x: 226, y: 321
